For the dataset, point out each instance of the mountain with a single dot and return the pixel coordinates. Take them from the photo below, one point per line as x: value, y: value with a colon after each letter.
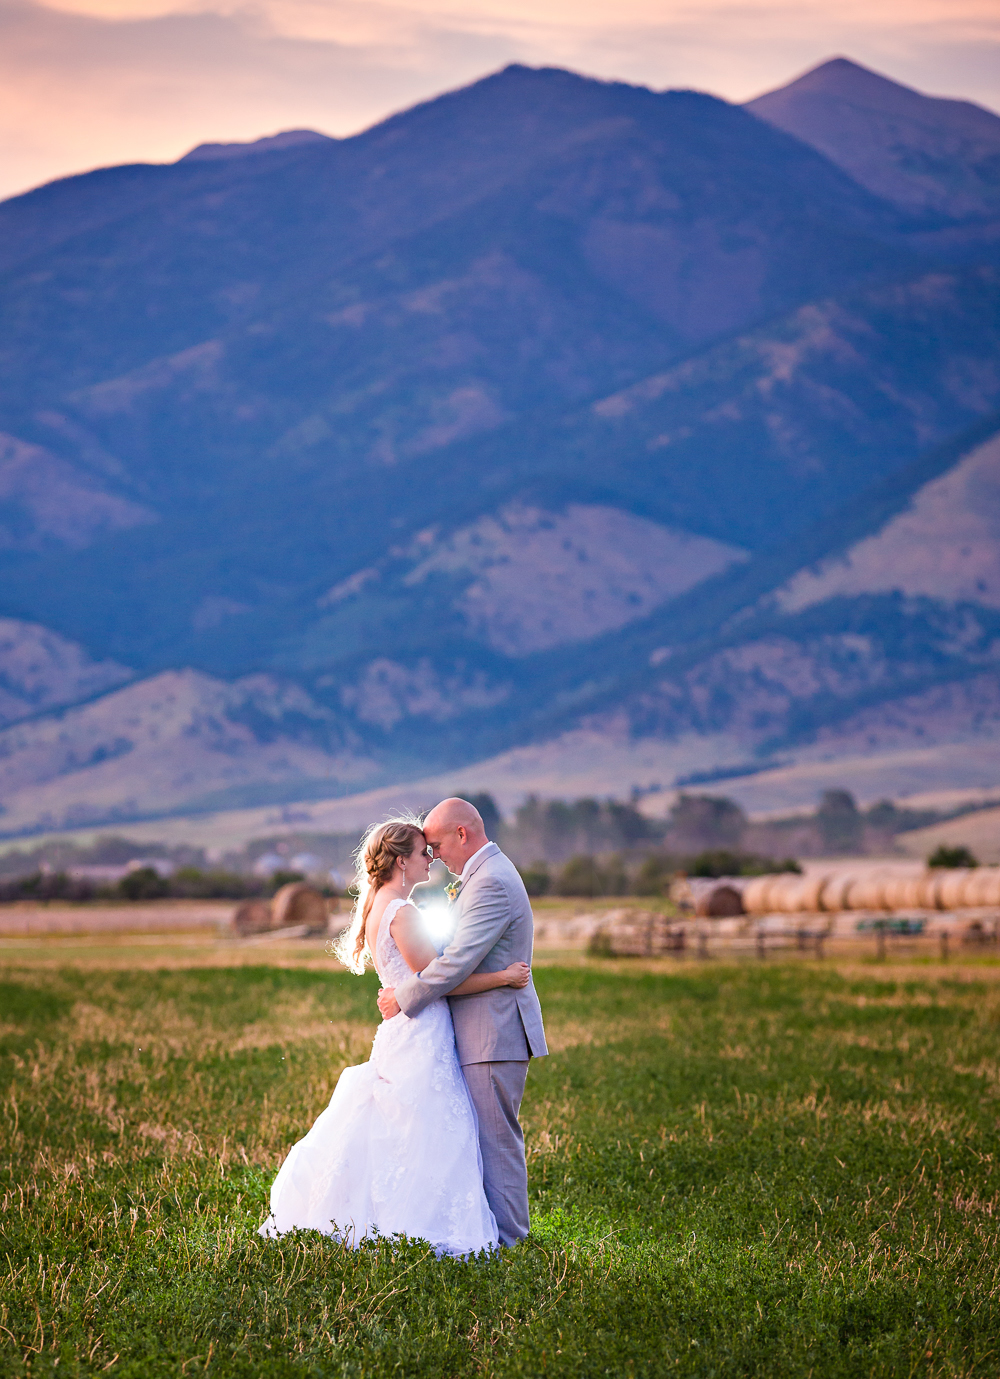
x: 550, y: 407
x: 174, y: 740
x: 925, y: 154
x: 40, y: 670
x: 289, y: 138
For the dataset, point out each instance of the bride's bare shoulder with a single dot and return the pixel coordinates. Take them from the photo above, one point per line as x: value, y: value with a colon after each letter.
x: 404, y: 917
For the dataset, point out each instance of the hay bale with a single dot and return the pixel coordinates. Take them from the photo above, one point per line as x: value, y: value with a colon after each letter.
x: 929, y: 890
x: 635, y: 934
x: 895, y: 892
x: 913, y: 893
x: 990, y: 892
x: 980, y: 886
x: 251, y: 917
x: 299, y: 903
x: 812, y: 891
x: 784, y: 893
x: 682, y: 894
x: 867, y: 893
x: 793, y: 895
x: 756, y: 894
x: 721, y: 900
x: 951, y: 890
x: 833, y: 896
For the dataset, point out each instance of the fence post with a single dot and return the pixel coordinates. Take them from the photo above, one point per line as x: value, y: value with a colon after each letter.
x: 880, y: 940
x: 944, y: 945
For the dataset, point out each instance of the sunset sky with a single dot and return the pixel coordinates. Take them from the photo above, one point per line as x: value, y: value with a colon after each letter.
x: 91, y: 82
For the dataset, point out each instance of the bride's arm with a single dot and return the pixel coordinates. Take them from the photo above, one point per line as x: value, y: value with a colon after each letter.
x: 411, y: 940
x: 417, y: 950
x: 515, y: 975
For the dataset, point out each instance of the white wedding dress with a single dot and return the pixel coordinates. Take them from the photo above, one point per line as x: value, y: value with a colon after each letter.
x: 397, y: 1149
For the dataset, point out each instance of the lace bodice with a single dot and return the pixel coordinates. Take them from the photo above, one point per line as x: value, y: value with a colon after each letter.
x: 390, y: 964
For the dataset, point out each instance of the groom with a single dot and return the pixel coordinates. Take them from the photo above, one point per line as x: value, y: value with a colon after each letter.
x: 496, y: 1031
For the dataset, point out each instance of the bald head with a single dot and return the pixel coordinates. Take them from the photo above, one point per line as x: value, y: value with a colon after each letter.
x: 454, y: 829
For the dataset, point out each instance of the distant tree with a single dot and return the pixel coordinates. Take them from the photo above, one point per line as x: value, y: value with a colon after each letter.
x: 721, y: 862
x: 653, y: 876
x: 614, y: 876
x: 840, y: 823
x: 536, y: 878
x: 583, y: 875
x: 945, y: 856
x: 277, y: 879
x: 145, y: 883
x: 628, y: 825
x: 488, y: 812
x: 707, y: 821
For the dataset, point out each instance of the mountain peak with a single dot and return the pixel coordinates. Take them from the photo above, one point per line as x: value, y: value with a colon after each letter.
x: 273, y: 143
x: 925, y: 153
x: 840, y: 76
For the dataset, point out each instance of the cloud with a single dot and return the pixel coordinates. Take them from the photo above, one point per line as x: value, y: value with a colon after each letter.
x: 78, y: 91
x: 106, y: 81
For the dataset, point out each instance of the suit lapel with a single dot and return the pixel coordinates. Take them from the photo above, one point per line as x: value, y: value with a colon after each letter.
x: 489, y: 851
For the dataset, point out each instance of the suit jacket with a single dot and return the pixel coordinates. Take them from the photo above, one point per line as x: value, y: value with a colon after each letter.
x: 494, y: 929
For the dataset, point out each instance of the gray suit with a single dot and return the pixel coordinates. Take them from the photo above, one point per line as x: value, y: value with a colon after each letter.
x: 496, y: 1031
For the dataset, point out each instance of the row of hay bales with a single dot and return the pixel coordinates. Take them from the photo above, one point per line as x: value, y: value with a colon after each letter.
x: 830, y: 892
x: 636, y: 934
x: 296, y: 906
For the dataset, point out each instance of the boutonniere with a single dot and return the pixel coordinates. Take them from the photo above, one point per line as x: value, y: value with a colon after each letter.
x: 452, y: 890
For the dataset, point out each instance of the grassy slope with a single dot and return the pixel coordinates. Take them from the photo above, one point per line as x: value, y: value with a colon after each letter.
x: 752, y: 1170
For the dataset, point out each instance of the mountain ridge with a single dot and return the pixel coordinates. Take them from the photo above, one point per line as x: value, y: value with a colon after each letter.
x: 504, y: 420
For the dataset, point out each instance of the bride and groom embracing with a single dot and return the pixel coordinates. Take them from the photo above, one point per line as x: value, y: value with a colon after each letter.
x: 423, y: 1140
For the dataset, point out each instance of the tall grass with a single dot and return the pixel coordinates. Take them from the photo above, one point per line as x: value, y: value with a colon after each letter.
x: 756, y: 1171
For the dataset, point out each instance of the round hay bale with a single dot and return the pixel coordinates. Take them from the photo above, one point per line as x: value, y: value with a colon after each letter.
x: 929, y: 890
x: 951, y: 892
x: 913, y: 893
x: 299, y: 903
x: 812, y: 891
x: 896, y: 892
x: 866, y: 893
x: 786, y: 894
x: 719, y: 902
x: 978, y: 887
x: 990, y: 892
x: 833, y: 896
x: 756, y: 894
x: 251, y: 917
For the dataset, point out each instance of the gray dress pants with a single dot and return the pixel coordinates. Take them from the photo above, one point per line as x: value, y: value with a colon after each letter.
x: 496, y: 1090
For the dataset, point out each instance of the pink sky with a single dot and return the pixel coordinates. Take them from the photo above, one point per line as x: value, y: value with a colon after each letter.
x: 92, y: 82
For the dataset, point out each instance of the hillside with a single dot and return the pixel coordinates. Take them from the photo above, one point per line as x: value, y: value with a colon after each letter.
x: 921, y: 152
x: 550, y: 407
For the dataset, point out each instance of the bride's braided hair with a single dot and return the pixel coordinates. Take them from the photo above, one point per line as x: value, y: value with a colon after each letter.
x: 374, y: 860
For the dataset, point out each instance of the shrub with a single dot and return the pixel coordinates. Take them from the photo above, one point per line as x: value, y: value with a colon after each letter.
x: 277, y: 879
x: 584, y: 876
x: 653, y: 877
x: 537, y: 879
x: 145, y: 883
x: 944, y: 856
x: 721, y: 862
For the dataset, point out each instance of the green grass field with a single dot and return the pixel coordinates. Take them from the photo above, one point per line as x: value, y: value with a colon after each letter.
x: 783, y: 1169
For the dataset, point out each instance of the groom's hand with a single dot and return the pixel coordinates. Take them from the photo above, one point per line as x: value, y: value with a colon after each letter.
x: 387, y: 1003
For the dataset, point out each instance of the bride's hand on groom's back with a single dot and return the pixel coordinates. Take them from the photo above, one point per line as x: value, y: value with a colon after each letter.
x: 518, y: 975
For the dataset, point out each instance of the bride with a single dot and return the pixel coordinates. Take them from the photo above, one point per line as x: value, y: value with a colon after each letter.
x: 397, y: 1149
